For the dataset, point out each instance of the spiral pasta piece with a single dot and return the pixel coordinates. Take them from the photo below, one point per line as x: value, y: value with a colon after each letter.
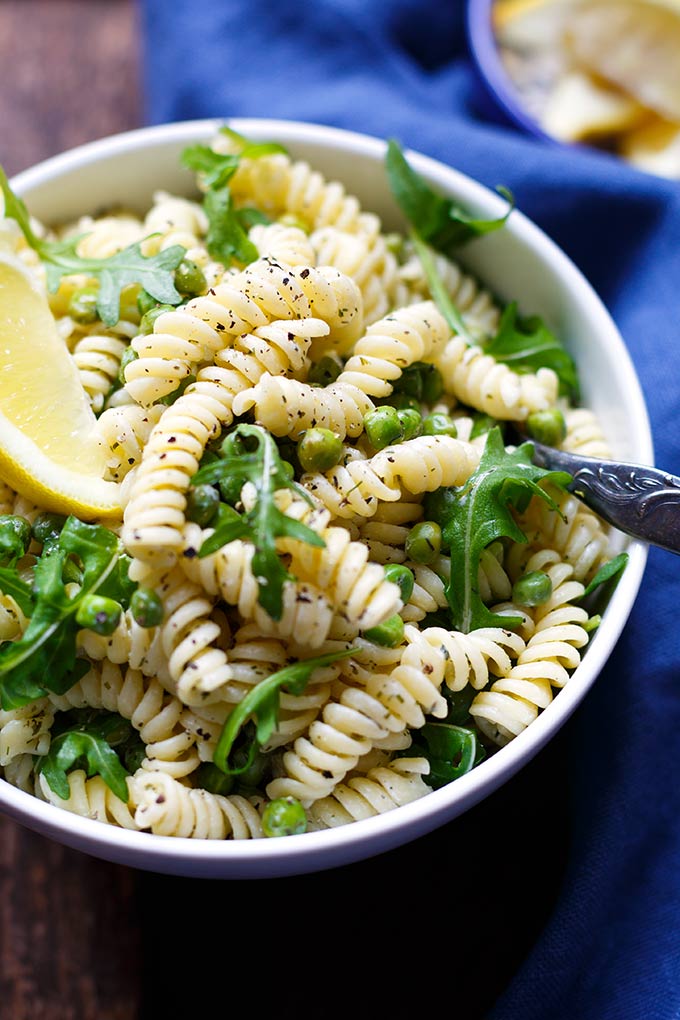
x: 416, y: 466
x: 361, y: 714
x: 154, y: 713
x: 356, y: 589
x: 25, y: 730
x: 414, y: 333
x: 367, y: 259
x: 385, y: 533
x: 479, y: 309
x: 381, y: 789
x: 574, y: 531
x: 124, y: 431
x: 89, y: 798
x: 287, y: 407
x: 550, y: 657
x: 482, y: 382
x: 585, y: 434
x: 154, y: 516
x: 306, y: 609
x: 280, y: 186
x: 97, y: 357
x: 164, y: 806
x: 283, y: 242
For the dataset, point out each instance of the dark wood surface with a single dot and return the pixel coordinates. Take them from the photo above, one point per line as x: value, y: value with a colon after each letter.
x: 446, y: 920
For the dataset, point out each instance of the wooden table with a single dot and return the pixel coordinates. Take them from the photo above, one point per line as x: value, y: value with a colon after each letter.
x: 82, y: 939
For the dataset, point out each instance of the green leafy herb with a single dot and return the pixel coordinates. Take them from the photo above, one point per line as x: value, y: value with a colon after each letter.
x: 436, y: 223
x: 526, y: 344
x: 45, y: 656
x: 261, y: 704
x: 227, y: 237
x: 439, y: 221
x: 154, y: 273
x: 12, y: 584
x: 607, y: 572
x: 86, y: 739
x: 481, y: 513
x: 252, y: 456
x: 451, y: 751
x: 217, y: 168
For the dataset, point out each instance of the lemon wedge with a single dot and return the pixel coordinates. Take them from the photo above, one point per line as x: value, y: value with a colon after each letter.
x: 49, y: 451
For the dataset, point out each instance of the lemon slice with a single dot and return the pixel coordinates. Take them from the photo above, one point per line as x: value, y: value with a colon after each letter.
x: 49, y: 451
x: 634, y: 45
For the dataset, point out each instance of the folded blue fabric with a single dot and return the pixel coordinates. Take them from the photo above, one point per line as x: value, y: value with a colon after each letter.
x: 608, y: 942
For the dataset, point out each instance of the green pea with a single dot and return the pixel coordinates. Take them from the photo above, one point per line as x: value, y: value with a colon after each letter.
x: 146, y: 607
x: 532, y: 589
x: 319, y: 449
x: 82, y: 306
x: 288, y: 470
x: 423, y: 542
x: 47, y: 526
x: 251, y: 774
x: 149, y: 318
x: 129, y: 354
x: 99, y: 613
x: 547, y: 427
x: 402, y: 577
x: 145, y: 301
x: 383, y: 427
x: 388, y: 634
x: 439, y: 504
x: 325, y: 371
x: 410, y: 382
x: 202, y: 504
x: 403, y: 402
x: 422, y: 381
x: 411, y: 422
x: 230, y: 489
x: 439, y: 424
x: 284, y: 816
x: 190, y: 278
x: 15, y: 536
x: 210, y: 778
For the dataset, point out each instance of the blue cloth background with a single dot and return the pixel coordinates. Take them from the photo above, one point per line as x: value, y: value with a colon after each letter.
x: 560, y: 896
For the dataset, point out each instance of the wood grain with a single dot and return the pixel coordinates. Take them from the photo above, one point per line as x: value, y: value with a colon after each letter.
x: 69, y: 73
x: 70, y: 934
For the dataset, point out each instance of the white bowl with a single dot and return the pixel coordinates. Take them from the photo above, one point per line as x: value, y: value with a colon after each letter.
x: 517, y: 262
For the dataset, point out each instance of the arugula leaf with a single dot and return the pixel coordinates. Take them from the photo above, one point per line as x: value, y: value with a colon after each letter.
x: 217, y: 168
x: 479, y: 514
x: 451, y: 751
x: 227, y: 238
x: 438, y: 220
x: 12, y: 584
x: 253, y: 456
x: 45, y: 656
x: 440, y: 294
x: 526, y: 344
x: 261, y: 703
x: 86, y: 739
x: 154, y: 273
x: 608, y: 571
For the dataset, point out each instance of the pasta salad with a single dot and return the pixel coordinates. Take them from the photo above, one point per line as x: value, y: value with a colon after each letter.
x: 338, y: 581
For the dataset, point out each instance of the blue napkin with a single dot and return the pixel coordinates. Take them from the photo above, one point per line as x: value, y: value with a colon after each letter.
x: 561, y: 894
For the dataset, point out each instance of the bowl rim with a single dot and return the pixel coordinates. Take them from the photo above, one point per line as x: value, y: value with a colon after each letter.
x: 316, y: 851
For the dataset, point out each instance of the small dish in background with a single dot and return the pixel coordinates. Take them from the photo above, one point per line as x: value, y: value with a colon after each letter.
x: 601, y: 73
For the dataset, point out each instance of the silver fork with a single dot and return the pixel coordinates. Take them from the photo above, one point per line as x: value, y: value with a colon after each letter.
x: 641, y: 501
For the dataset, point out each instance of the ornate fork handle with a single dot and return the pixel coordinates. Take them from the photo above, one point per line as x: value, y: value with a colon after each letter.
x: 641, y: 501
